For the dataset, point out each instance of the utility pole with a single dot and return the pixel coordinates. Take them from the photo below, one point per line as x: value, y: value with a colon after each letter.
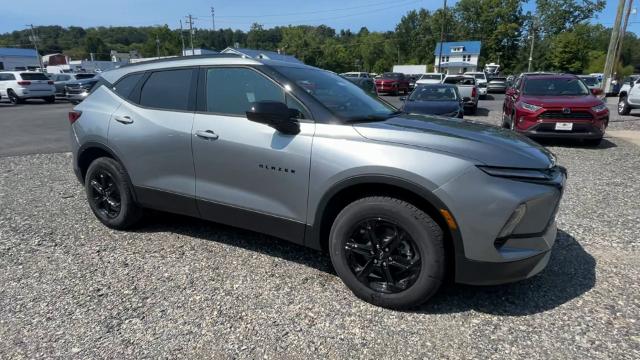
x: 157, y: 46
x: 213, y: 19
x: 609, y: 64
x: 442, y: 31
x: 533, y: 38
x: 182, y: 37
x: 34, y: 39
x: 190, y: 22
x: 623, y: 31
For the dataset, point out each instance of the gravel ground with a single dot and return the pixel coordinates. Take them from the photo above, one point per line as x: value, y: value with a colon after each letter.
x: 181, y: 287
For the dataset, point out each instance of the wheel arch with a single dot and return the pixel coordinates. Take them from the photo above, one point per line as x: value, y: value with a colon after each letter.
x: 351, y: 189
x: 90, y: 151
x: 622, y: 94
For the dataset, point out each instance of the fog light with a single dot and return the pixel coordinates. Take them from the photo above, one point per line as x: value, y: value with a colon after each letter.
x: 513, y: 221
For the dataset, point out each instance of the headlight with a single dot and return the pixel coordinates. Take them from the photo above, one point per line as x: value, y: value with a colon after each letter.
x: 599, y: 108
x: 513, y: 221
x: 530, y: 107
x: 531, y: 174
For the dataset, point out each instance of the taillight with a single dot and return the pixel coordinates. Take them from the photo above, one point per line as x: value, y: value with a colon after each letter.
x: 474, y: 92
x: 74, y: 116
x: 50, y: 82
x: 24, y: 83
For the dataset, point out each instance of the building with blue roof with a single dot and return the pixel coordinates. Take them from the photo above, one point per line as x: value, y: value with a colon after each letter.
x: 261, y: 54
x: 18, y: 59
x: 457, y: 57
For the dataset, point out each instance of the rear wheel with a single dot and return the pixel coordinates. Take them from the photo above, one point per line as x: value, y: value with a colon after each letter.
x: 50, y: 99
x: 623, y: 106
x: 13, y: 98
x: 388, y: 252
x: 109, y: 194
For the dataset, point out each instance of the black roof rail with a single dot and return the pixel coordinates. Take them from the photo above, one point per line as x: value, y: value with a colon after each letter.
x: 178, y: 58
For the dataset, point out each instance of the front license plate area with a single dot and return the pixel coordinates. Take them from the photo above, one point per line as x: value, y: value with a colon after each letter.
x: 564, y: 126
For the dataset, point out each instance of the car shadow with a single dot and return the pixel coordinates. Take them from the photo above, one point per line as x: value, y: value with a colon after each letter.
x: 605, y: 144
x: 569, y: 274
x: 480, y: 111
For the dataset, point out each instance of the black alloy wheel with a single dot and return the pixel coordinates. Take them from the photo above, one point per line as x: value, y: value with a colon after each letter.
x: 383, y: 256
x: 105, y: 194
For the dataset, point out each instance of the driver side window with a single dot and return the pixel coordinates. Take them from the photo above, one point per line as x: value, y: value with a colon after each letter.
x: 232, y: 90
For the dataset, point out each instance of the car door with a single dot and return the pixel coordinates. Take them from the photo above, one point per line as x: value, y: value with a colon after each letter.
x: 634, y: 93
x: 151, y: 133
x: 510, y: 97
x: 248, y: 174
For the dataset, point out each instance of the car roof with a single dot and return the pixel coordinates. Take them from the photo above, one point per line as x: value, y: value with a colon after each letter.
x: 189, y: 61
x: 550, y: 76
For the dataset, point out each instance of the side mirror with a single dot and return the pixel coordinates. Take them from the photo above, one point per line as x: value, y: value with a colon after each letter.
x: 596, y: 91
x: 275, y: 114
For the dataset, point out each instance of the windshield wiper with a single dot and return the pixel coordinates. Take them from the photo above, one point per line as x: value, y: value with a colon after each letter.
x: 370, y: 118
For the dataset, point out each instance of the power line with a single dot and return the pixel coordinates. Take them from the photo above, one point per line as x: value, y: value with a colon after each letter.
x: 311, y: 12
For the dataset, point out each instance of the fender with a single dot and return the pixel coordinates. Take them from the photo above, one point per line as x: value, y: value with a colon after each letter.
x: 98, y: 145
x: 313, y: 232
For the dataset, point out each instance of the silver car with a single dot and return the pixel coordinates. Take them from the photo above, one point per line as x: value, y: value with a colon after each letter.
x: 400, y: 202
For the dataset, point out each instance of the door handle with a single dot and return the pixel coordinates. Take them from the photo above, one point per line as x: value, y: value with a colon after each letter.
x: 124, y: 119
x: 207, y: 134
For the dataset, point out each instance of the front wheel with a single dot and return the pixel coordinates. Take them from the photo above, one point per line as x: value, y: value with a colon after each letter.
x: 13, y: 98
x: 388, y: 252
x: 109, y: 194
x: 623, y: 106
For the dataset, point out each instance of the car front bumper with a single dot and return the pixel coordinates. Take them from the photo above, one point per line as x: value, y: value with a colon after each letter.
x: 482, y: 257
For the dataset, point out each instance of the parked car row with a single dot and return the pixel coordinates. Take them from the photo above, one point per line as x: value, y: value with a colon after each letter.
x: 20, y: 86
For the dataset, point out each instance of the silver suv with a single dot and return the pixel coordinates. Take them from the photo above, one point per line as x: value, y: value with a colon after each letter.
x: 400, y: 202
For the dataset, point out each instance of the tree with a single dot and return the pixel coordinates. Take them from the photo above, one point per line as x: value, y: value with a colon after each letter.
x: 556, y: 16
x: 568, y: 52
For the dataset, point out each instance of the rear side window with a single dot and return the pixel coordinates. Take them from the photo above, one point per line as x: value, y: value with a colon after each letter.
x: 7, y: 77
x: 232, y: 90
x: 170, y: 89
x: 33, y: 76
x: 125, y: 86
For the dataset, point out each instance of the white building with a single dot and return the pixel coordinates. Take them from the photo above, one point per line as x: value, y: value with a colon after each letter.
x: 457, y: 57
x: 188, y: 52
x: 18, y: 59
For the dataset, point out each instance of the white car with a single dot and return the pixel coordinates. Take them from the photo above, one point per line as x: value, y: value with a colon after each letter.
x: 481, y: 80
x: 629, y: 96
x: 21, y: 85
x: 356, y: 74
x: 430, y: 78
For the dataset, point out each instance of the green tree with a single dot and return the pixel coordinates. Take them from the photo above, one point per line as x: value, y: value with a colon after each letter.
x: 568, y: 52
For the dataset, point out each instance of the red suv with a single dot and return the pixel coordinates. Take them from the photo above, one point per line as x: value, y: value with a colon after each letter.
x: 555, y: 105
x: 392, y: 83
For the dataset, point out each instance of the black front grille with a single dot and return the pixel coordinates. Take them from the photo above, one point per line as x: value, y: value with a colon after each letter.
x: 553, y: 114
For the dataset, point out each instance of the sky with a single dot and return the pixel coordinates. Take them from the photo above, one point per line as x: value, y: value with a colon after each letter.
x: 376, y: 15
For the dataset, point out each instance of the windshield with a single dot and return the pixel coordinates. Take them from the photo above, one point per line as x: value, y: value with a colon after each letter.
x: 84, y: 76
x: 33, y: 76
x: 590, y: 81
x: 434, y: 93
x: 555, y: 87
x: 431, y: 77
x: 342, y: 97
x: 460, y: 80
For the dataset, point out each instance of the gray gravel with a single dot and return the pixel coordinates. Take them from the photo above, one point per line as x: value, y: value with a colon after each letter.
x: 180, y: 287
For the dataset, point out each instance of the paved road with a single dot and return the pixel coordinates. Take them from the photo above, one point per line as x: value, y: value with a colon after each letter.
x: 34, y: 128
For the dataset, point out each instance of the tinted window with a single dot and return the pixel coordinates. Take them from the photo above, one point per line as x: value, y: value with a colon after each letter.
x: 459, y: 81
x: 392, y: 76
x: 431, y: 77
x: 84, y: 76
x: 555, y: 87
x: 167, y: 90
x: 127, y: 84
x: 434, y: 93
x: 33, y: 76
x: 232, y: 90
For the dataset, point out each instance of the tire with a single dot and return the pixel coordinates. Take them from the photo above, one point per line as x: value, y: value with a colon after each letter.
x: 474, y: 109
x: 623, y: 106
x: 505, y: 123
x: 50, y: 99
x: 13, y: 98
x: 105, y: 173
x: 593, y: 142
x: 416, y: 265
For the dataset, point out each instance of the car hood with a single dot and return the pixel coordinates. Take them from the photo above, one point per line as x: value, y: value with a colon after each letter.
x: 562, y: 101
x: 488, y: 145
x: 431, y: 107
